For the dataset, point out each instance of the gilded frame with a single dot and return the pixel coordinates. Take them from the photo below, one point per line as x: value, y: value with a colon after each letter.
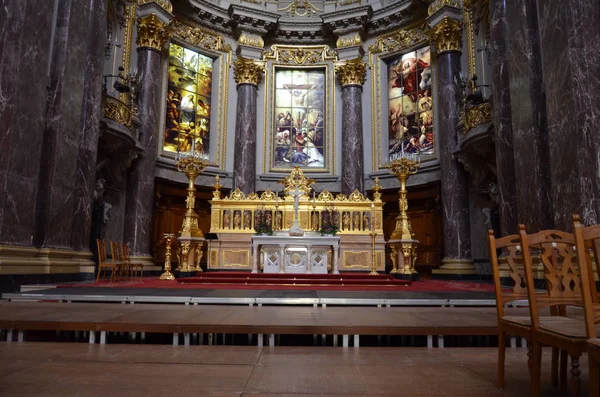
x: 214, y: 46
x: 386, y: 47
x: 316, y: 57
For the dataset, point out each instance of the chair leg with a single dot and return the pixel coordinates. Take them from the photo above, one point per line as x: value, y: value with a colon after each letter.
x: 529, y: 356
x: 536, y: 369
x: 555, y: 353
x: 564, y: 361
x: 594, y: 377
x: 501, y: 358
x: 575, y: 378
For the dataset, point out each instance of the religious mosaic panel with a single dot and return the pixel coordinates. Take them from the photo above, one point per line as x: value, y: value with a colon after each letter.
x: 299, y: 124
x: 410, y: 120
x: 188, y: 101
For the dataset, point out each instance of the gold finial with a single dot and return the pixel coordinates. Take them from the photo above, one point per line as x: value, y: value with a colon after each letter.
x: 352, y: 72
x: 447, y: 35
x: 152, y: 32
x: 247, y: 71
x: 376, y: 189
x: 217, y: 186
x: 297, y: 179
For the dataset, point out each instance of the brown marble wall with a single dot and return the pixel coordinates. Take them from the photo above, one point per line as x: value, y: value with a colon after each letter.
x: 352, y: 142
x: 455, y: 186
x: 244, y: 163
x: 528, y: 114
x: 24, y: 54
x: 570, y: 54
x: 503, y: 130
x: 140, y: 184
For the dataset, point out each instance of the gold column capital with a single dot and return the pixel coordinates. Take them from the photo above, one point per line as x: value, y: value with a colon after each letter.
x: 351, y: 72
x: 248, y: 71
x: 152, y: 32
x: 447, y: 35
x: 437, y: 5
x: 164, y: 4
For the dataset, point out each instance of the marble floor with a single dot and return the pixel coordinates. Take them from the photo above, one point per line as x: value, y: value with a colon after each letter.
x: 79, y: 369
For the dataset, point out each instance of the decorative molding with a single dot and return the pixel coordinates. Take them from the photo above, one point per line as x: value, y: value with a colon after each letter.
x: 248, y: 71
x: 117, y: 111
x: 300, y: 55
x: 477, y: 115
x: 351, y: 41
x: 400, y: 39
x: 126, y: 50
x: 199, y: 37
x: 152, y: 32
x: 353, y: 72
x: 447, y: 35
x: 164, y: 4
x: 301, y: 8
x: 470, y: 30
x: 251, y: 41
x: 439, y: 4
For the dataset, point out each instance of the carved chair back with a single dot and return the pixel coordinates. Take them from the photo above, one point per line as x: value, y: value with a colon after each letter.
x: 587, y: 241
x: 126, y: 252
x: 101, y: 245
x: 556, y: 250
x: 509, y: 248
x: 116, y: 252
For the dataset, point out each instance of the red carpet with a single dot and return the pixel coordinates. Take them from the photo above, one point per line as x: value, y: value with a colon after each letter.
x: 416, y: 286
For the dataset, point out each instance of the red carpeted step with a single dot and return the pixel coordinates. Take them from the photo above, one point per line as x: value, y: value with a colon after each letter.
x: 295, y: 279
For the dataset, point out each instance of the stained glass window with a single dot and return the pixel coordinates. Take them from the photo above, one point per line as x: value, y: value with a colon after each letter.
x: 188, y: 102
x: 410, y: 118
x: 299, y: 124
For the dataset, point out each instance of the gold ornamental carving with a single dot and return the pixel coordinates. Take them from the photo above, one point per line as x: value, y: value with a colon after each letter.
x: 199, y: 37
x: 164, y: 4
x: 478, y: 115
x: 301, y: 8
x: 447, y: 35
x: 251, y: 41
x: 399, y: 39
x: 297, y: 179
x: 152, y: 32
x: 439, y: 4
x: 300, y: 55
x: 351, y: 41
x: 247, y: 71
x: 352, y: 72
x: 117, y: 111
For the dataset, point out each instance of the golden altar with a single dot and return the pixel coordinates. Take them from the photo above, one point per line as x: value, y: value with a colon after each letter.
x: 235, y: 219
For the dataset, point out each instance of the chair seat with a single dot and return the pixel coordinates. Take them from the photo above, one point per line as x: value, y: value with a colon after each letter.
x: 526, y: 320
x: 569, y: 327
x: 595, y: 342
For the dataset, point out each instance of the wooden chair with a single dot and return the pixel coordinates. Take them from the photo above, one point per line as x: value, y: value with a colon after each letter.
x: 510, y: 249
x: 103, y: 263
x: 587, y: 239
x: 117, y: 259
x: 557, y: 253
x: 133, y: 267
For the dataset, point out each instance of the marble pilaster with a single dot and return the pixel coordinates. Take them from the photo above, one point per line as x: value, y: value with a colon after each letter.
x: 244, y: 163
x: 22, y: 112
x: 140, y: 184
x: 89, y: 131
x: 528, y: 115
x: 502, y: 117
x: 63, y: 125
x: 570, y: 55
x: 454, y: 180
x: 352, y: 143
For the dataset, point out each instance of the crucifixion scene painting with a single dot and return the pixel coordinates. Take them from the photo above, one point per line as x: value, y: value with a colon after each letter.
x: 299, y: 124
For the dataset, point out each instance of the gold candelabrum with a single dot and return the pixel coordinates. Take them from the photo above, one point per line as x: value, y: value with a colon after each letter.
x: 402, y: 237
x: 191, y: 237
x: 167, y: 275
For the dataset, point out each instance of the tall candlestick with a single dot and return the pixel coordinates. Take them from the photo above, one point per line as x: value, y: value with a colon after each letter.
x: 372, y: 216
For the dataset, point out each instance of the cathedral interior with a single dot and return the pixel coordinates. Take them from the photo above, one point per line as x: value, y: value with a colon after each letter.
x: 498, y: 103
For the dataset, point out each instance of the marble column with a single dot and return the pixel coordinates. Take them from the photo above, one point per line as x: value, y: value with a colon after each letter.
x: 24, y: 54
x: 152, y: 36
x: 503, y: 132
x: 528, y: 114
x: 447, y: 36
x: 247, y: 75
x: 352, y: 76
x: 89, y: 131
x: 570, y: 55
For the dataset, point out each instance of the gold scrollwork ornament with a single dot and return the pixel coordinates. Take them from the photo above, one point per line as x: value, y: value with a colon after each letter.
x: 165, y: 4
x: 447, y: 35
x: 352, y: 72
x: 247, y: 71
x: 439, y: 4
x: 152, y: 32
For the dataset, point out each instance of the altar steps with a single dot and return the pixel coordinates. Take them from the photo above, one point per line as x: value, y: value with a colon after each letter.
x: 284, y: 279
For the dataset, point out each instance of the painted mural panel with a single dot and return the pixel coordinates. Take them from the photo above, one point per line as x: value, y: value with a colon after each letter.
x: 188, y: 101
x: 410, y: 120
x: 299, y: 124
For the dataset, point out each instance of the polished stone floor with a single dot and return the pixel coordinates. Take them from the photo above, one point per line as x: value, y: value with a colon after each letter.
x: 79, y: 369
